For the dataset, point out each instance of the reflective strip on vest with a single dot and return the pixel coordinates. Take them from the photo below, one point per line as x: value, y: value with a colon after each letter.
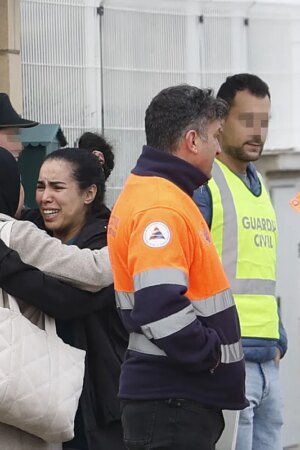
x: 215, y: 304
x: 169, y: 325
x: 155, y: 277
x: 230, y: 353
x: 230, y: 246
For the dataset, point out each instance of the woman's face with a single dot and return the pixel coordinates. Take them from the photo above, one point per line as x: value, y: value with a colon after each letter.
x: 62, y: 204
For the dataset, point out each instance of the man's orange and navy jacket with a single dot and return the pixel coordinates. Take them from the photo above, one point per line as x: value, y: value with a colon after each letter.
x: 172, y: 291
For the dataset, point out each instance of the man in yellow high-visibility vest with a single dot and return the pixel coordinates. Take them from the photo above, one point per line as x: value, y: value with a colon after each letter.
x: 239, y: 211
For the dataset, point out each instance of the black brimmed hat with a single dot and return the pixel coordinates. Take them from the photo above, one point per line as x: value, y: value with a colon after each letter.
x: 9, y: 118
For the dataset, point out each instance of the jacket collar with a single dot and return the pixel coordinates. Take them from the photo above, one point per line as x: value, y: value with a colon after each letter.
x: 156, y: 163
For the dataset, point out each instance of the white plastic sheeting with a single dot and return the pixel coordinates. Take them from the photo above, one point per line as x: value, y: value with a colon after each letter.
x: 148, y: 45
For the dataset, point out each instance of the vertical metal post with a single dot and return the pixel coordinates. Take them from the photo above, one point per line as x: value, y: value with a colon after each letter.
x: 100, y: 12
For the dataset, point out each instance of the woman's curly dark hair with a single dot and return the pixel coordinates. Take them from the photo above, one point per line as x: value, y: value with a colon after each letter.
x: 94, y: 141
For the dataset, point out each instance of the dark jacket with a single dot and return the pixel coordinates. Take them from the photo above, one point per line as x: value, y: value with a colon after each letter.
x: 104, y: 338
x: 164, y: 260
x: 88, y: 321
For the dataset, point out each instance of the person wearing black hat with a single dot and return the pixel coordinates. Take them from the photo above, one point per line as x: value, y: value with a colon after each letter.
x: 10, y: 123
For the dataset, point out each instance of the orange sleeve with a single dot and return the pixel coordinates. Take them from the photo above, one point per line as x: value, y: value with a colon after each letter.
x: 159, y: 237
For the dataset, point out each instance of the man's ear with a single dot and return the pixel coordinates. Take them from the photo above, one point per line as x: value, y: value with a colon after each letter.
x: 191, y: 138
x: 90, y: 194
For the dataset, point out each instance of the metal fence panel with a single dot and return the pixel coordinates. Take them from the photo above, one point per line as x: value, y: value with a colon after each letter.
x: 146, y: 48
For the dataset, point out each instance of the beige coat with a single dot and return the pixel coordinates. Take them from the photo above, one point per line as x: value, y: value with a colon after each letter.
x: 86, y: 269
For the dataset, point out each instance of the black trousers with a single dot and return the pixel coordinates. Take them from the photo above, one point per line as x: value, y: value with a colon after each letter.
x: 173, y: 424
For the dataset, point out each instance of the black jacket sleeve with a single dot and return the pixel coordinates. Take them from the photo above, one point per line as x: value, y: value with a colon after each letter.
x: 52, y: 296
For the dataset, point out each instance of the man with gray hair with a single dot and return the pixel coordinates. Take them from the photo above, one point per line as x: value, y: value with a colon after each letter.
x: 184, y: 362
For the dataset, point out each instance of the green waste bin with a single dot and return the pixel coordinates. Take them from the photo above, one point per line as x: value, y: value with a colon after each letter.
x: 38, y: 142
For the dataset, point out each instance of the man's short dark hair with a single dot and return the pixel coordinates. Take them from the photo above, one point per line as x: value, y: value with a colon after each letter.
x: 243, y: 82
x: 177, y: 109
x: 94, y: 141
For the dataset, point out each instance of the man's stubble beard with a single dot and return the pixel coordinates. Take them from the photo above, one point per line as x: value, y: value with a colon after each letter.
x: 239, y: 154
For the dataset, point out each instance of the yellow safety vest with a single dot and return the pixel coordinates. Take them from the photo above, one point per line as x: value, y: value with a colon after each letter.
x: 244, y: 230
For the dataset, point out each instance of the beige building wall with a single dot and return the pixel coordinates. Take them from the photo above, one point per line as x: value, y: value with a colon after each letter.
x: 279, y: 165
x: 10, y: 60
